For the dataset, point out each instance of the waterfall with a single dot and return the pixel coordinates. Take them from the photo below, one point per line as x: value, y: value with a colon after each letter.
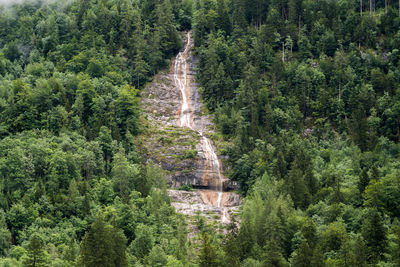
x: 186, y: 114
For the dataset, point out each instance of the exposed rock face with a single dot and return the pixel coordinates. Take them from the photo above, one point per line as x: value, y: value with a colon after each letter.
x: 191, y: 203
x: 177, y: 139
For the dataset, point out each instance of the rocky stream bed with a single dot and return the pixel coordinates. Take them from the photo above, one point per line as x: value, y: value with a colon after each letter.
x: 177, y: 138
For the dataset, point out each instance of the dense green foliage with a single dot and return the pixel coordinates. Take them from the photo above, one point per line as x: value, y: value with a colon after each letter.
x: 73, y: 190
x: 307, y: 95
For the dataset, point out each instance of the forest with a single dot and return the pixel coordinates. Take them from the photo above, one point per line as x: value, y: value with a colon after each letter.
x: 305, y: 96
x: 74, y: 191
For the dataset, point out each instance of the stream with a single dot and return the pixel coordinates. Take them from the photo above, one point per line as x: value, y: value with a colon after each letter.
x: 215, y: 194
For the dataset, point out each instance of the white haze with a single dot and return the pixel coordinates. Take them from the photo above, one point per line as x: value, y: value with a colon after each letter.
x: 11, y: 2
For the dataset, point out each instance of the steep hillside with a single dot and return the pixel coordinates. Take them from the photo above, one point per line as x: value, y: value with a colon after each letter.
x: 177, y: 139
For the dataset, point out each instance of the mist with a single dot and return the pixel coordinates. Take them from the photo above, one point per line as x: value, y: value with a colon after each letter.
x: 13, y: 2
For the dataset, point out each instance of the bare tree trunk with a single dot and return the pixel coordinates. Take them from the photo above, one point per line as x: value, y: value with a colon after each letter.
x: 300, y: 26
x: 370, y: 6
x: 283, y: 52
x: 386, y: 6
x: 361, y: 7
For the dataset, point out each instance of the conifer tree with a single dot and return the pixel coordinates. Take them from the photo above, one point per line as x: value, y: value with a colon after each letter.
x: 231, y: 245
x: 223, y: 22
x: 239, y: 16
x: 395, y: 253
x: 273, y: 255
x: 103, y: 245
x: 208, y: 255
x: 304, y: 255
x: 143, y: 243
x: 364, y: 180
x: 374, y: 233
x: 169, y: 37
x: 36, y: 256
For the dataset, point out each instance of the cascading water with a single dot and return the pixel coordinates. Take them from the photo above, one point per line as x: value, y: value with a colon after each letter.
x: 180, y: 77
x: 212, y: 158
x: 212, y: 165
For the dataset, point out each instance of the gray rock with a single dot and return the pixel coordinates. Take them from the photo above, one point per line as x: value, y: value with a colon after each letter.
x: 179, y: 150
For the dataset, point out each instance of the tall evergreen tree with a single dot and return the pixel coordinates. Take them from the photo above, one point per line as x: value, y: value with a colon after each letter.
x: 374, y: 233
x: 165, y: 28
x: 103, y: 245
x: 36, y: 256
x: 223, y: 19
x: 208, y: 255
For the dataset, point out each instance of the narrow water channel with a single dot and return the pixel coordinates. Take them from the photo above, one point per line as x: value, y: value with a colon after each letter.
x: 214, y: 195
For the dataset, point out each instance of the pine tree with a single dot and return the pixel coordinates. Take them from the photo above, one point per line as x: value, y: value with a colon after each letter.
x: 36, y: 256
x: 128, y: 16
x: 219, y: 84
x: 143, y: 243
x: 359, y: 127
x: 239, y: 16
x: 169, y: 36
x: 181, y: 250
x: 297, y: 188
x: 105, y: 141
x: 360, y: 253
x: 364, y: 180
x: 304, y: 255
x: 395, y: 253
x: 103, y: 245
x: 141, y: 69
x: 374, y: 234
x: 231, y: 245
x: 273, y: 256
x: 208, y: 255
x: 295, y: 12
x: 304, y: 48
x: 223, y: 22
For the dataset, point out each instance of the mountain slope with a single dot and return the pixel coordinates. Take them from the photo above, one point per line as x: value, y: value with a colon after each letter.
x: 177, y: 139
